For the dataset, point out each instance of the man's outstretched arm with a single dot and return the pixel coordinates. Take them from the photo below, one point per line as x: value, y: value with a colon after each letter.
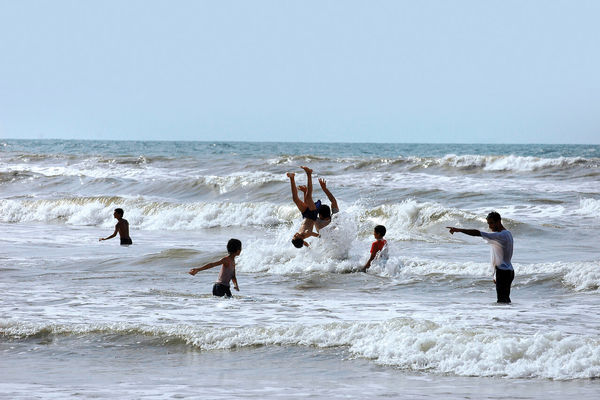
x: 470, y: 232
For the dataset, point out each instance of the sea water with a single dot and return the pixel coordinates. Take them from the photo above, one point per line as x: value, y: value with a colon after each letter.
x: 89, y: 319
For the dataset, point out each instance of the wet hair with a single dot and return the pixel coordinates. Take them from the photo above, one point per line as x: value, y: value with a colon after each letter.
x: 494, y: 216
x: 119, y: 211
x: 234, y: 245
x: 298, y: 243
x: 324, y: 211
x: 380, y: 230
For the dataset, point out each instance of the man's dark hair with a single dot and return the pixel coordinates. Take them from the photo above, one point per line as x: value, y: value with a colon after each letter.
x: 380, y: 230
x: 324, y: 211
x: 298, y: 243
x: 494, y: 216
x: 234, y: 245
x: 119, y: 211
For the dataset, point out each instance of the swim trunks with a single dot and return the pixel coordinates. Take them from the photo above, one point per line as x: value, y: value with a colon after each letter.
x: 221, y: 290
x: 125, y: 241
x: 310, y: 214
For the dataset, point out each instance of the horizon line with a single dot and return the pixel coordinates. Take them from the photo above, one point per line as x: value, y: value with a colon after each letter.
x: 298, y: 142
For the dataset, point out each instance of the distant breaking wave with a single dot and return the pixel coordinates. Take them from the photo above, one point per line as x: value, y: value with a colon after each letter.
x: 408, y: 215
x: 146, y: 215
x: 452, y: 161
x: 156, y: 215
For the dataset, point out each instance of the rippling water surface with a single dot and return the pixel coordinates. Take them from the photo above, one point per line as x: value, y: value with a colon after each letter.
x: 424, y: 324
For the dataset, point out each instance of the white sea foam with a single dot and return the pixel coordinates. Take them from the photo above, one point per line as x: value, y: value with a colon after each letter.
x: 577, y: 276
x: 330, y: 253
x: 508, y: 163
x: 406, y: 343
x: 589, y: 207
x: 408, y: 217
x: 467, y: 161
x: 145, y: 215
x: 334, y: 254
x: 411, y: 214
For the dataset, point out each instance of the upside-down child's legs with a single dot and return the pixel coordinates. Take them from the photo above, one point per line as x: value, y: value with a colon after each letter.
x: 299, y: 203
x: 308, y: 200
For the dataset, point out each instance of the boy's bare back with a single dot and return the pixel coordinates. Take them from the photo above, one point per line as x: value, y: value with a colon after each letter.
x: 123, y: 228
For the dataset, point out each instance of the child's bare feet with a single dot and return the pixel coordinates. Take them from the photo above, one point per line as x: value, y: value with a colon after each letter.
x: 291, y: 175
x: 306, y: 169
x: 302, y: 188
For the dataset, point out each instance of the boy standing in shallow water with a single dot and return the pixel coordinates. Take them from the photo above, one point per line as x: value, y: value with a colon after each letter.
x: 227, y: 273
x: 122, y: 228
x: 377, y: 246
x: 306, y: 207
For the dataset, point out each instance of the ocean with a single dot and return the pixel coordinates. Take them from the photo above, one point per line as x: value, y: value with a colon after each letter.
x: 81, y: 318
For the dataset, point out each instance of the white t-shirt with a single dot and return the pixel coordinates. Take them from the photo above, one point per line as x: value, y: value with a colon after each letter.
x: 502, y: 248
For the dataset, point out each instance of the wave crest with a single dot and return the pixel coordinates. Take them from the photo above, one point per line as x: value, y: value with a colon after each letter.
x: 404, y: 343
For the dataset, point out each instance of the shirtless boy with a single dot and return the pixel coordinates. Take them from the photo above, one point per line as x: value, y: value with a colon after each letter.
x: 227, y: 273
x: 306, y: 207
x: 122, y: 228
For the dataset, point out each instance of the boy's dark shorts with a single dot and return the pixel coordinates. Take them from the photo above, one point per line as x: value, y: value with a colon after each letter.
x: 125, y: 241
x: 310, y: 214
x: 221, y: 290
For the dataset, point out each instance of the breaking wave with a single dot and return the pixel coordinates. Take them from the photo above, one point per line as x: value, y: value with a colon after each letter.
x: 406, y: 343
x: 156, y: 215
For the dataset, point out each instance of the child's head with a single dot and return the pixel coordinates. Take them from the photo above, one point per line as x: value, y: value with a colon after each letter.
x: 298, y: 241
x: 324, y: 211
x: 379, y: 231
x: 234, y: 246
x: 119, y: 212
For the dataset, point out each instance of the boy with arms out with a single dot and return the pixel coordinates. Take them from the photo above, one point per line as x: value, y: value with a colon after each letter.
x: 122, y: 228
x: 377, y: 246
x: 501, y: 241
x: 306, y: 207
x: 227, y: 273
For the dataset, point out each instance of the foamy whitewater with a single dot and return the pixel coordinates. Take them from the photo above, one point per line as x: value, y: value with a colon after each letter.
x: 83, y: 318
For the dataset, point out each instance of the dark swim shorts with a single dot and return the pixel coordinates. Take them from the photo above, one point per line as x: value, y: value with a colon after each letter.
x: 221, y: 290
x: 125, y: 241
x: 312, y: 214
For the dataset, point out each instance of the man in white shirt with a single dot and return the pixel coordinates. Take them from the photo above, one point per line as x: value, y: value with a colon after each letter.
x: 501, y: 241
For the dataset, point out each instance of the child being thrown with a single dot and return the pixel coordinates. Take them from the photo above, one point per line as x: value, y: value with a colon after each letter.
x: 306, y: 207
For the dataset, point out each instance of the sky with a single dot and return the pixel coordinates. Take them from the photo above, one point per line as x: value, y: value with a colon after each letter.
x: 305, y: 71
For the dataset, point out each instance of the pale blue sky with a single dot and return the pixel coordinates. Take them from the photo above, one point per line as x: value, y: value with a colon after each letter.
x: 355, y: 71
